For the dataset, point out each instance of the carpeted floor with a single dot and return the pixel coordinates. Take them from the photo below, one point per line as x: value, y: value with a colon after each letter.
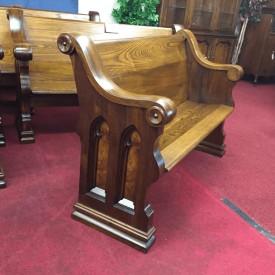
x: 196, y: 232
x: 246, y: 173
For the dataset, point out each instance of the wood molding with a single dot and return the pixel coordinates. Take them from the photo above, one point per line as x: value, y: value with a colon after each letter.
x: 23, y: 114
x: 138, y: 239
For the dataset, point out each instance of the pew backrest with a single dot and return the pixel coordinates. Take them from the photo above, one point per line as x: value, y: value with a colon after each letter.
x: 7, y: 63
x: 155, y: 65
x: 91, y: 16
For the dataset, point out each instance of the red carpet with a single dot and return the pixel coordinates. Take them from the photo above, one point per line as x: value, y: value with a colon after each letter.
x: 196, y: 232
x: 246, y: 173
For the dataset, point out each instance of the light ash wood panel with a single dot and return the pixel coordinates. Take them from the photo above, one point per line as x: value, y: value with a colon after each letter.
x: 188, y: 114
x: 102, y: 157
x: 50, y: 69
x: 56, y: 14
x: 136, y: 31
x: 156, y: 66
x: 189, y: 140
x: 132, y: 169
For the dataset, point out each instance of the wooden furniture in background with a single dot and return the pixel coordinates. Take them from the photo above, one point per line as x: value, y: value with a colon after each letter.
x: 145, y: 103
x: 212, y: 21
x: 7, y: 64
x: 257, y: 55
x: 46, y: 76
x: 2, y: 137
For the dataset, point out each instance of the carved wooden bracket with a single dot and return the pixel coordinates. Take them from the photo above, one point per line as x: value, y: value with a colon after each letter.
x: 94, y: 16
x: 22, y: 49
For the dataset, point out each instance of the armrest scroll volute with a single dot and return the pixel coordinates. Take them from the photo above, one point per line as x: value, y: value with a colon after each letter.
x: 234, y: 72
x: 160, y: 110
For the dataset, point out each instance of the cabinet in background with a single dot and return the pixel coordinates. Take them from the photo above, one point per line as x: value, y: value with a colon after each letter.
x: 257, y: 55
x: 212, y: 21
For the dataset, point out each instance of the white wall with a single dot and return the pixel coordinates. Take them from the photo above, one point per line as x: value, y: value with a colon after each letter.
x: 104, y: 7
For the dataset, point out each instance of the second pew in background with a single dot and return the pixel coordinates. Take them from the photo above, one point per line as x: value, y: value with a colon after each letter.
x: 7, y: 64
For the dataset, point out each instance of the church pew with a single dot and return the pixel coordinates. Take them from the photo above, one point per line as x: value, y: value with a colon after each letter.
x: 8, y: 70
x: 145, y: 103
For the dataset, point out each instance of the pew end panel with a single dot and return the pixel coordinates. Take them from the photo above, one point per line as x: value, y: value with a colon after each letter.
x: 215, y: 87
x: 113, y: 125
x: 132, y: 129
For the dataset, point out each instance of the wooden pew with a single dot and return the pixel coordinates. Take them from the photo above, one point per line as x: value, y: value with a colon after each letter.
x: 8, y: 70
x: 46, y: 75
x: 2, y: 137
x: 145, y: 103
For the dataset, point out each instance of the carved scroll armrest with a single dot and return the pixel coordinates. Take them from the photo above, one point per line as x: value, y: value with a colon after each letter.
x: 22, y: 49
x: 160, y: 110
x: 234, y: 72
x: 1, y: 52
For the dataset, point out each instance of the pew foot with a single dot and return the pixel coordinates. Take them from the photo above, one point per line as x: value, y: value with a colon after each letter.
x: 2, y: 178
x: 122, y: 232
x: 25, y: 136
x: 214, y: 143
x: 2, y: 136
x: 211, y: 148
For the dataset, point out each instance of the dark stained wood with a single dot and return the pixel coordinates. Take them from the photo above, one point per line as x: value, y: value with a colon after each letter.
x: 142, y: 109
x: 254, y: 47
x: 260, y: 44
x: 212, y: 21
x: 2, y: 178
x: 2, y: 137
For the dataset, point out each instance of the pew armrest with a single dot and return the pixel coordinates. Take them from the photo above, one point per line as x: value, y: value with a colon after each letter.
x: 160, y: 110
x: 234, y: 72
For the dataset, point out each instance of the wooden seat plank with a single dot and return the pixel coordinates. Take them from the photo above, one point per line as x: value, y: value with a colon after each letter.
x: 180, y: 147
